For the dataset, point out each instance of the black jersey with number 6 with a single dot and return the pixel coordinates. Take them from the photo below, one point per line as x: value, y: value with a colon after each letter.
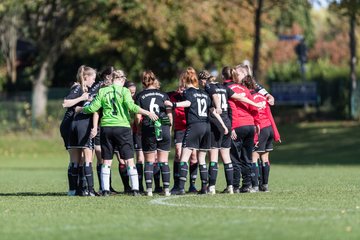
x: 153, y: 101
x: 199, y: 108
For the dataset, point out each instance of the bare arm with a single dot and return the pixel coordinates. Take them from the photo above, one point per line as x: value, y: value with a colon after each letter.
x: 218, y: 117
x: 71, y: 102
x: 185, y: 104
x: 217, y: 102
x: 95, y: 124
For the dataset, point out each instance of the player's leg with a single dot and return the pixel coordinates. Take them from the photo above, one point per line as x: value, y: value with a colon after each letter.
x: 204, y: 174
x: 194, y: 165
x: 213, y: 169
x: 123, y: 173
x: 176, y: 166
x: 247, y: 138
x: 157, y: 174
x: 139, y: 160
x: 255, y: 172
x: 88, y: 170
x: 265, y: 171
x: 163, y: 150
x: 228, y: 169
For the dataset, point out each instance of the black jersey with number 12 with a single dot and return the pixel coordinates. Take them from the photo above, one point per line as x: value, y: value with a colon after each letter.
x: 199, y: 108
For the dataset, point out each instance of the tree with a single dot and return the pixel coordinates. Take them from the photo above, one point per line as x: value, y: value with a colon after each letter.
x: 351, y: 10
x: 49, y: 23
x: 9, y: 24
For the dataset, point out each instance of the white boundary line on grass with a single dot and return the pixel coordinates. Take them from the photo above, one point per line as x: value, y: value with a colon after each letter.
x: 164, y: 201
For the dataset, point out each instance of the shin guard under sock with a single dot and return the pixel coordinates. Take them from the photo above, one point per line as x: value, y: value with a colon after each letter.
x: 204, y: 175
x: 149, y: 171
x: 165, y: 173
x: 157, y: 175
x: 140, y: 171
x: 89, y: 176
x: 213, y: 171
x: 183, y: 171
x: 229, y: 174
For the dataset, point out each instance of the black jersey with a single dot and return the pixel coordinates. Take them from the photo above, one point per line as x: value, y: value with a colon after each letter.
x: 152, y: 100
x: 93, y: 90
x: 74, y: 93
x: 199, y: 108
x: 223, y: 93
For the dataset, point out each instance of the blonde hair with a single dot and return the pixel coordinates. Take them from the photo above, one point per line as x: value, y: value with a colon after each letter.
x: 189, y: 76
x: 81, y: 73
x: 245, y: 69
x: 118, y: 74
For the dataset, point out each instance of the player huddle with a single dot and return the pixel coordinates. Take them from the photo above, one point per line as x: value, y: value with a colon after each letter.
x: 231, y: 119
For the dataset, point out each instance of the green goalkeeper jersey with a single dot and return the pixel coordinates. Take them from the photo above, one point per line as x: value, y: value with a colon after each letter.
x: 116, y: 103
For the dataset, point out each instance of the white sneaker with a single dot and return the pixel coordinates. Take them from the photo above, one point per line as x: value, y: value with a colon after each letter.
x: 212, y: 190
x: 229, y: 190
x: 167, y: 192
x: 149, y: 192
x: 71, y: 192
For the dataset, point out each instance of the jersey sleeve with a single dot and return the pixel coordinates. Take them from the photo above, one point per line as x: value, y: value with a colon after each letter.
x: 95, y: 104
x: 75, y: 92
x: 260, y: 89
x: 229, y: 92
x: 129, y: 102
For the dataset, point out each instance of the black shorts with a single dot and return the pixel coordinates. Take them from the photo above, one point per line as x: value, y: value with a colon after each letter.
x: 148, y: 139
x: 179, y: 136
x: 116, y: 137
x: 197, y: 136
x: 97, y: 138
x: 65, y: 130
x: 226, y: 139
x: 80, y: 134
x: 266, y: 138
x: 137, y: 142
x: 216, y: 136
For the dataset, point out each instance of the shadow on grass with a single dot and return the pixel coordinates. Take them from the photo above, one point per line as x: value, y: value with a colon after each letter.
x: 33, y: 194
x: 318, y: 144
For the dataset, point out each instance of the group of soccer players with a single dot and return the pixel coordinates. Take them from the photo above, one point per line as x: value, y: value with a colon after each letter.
x: 231, y: 119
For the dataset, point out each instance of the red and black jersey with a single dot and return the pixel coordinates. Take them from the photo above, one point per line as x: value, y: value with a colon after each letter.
x: 263, y: 116
x: 152, y: 100
x: 179, y: 113
x: 199, y: 108
x: 243, y: 114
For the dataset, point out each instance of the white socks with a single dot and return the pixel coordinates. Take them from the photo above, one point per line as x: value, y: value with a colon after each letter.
x: 105, y: 177
x: 134, y: 179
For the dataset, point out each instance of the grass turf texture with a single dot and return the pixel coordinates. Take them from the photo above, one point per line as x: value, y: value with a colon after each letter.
x: 314, y: 183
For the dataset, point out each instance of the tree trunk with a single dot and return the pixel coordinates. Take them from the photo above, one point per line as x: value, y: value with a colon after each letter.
x: 39, y: 93
x: 257, y: 40
x: 353, y: 111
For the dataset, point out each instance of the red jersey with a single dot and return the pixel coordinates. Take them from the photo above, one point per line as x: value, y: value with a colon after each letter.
x: 179, y: 113
x: 243, y: 114
x: 263, y: 116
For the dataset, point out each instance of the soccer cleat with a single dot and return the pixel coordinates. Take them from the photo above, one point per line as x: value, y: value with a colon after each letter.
x: 113, y: 191
x: 158, y: 190
x: 167, y: 192
x: 254, y: 189
x: 229, y: 190
x: 178, y: 192
x: 264, y: 188
x: 149, y: 192
x: 212, y: 190
x: 203, y: 191
x: 136, y: 193
x: 91, y: 193
x: 127, y: 191
x: 71, y: 193
x: 192, y: 189
x: 174, y: 190
x: 245, y: 189
x: 106, y: 193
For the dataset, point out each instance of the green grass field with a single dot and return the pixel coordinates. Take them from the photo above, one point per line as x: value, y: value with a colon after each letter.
x: 314, y: 183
